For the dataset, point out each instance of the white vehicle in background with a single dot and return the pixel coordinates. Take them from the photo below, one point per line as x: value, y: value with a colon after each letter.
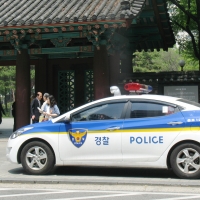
x: 143, y: 131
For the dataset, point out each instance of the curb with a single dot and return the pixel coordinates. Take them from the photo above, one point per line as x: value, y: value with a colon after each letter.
x: 83, y: 182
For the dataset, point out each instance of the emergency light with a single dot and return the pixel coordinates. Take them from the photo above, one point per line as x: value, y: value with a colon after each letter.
x: 138, y: 88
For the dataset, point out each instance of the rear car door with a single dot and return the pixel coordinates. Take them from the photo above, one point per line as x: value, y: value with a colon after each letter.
x: 94, y: 133
x: 149, y: 128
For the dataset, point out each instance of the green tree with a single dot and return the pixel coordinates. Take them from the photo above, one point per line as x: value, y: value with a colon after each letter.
x: 143, y: 62
x: 158, y: 61
x: 185, y: 17
x: 7, y: 81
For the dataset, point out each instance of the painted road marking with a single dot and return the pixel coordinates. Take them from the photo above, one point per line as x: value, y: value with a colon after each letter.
x: 28, y: 194
x: 109, y: 195
x: 179, y: 198
x: 100, y: 196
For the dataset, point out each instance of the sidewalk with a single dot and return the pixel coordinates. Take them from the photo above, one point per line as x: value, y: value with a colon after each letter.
x: 6, y: 128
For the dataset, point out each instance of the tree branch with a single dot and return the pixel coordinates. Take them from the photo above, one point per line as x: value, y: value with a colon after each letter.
x: 185, y: 11
x: 188, y: 17
x: 198, y: 8
x: 186, y: 29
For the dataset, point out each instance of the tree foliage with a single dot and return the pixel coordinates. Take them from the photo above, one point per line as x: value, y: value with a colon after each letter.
x: 7, y: 81
x: 161, y: 61
x: 185, y: 15
x: 7, y: 78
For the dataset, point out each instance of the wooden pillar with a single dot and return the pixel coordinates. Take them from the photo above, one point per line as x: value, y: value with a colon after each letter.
x: 41, y: 75
x: 22, y: 97
x: 114, y: 69
x: 101, y: 74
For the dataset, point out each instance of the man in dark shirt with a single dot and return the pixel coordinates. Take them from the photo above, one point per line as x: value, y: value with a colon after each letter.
x: 14, y: 116
x: 34, y: 105
x: 1, y: 112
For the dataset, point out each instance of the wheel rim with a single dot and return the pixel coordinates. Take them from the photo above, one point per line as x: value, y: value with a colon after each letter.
x: 36, y: 158
x: 188, y: 160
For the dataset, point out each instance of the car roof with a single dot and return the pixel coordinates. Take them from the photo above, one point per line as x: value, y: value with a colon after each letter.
x: 144, y: 96
x: 168, y: 99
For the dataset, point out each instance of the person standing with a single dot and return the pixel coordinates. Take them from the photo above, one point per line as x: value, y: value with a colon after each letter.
x: 51, y: 109
x: 1, y: 112
x: 35, y: 114
x: 14, y: 115
x: 45, y: 96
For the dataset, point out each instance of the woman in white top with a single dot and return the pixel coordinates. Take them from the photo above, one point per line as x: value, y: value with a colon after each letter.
x: 45, y: 96
x: 51, y: 109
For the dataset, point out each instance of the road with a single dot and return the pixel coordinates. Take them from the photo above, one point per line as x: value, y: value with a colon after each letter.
x: 90, y: 182
x: 104, y: 192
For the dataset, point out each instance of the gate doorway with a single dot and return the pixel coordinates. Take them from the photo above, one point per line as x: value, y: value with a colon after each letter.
x: 75, y: 87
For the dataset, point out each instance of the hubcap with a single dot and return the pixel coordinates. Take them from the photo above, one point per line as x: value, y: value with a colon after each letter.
x: 36, y: 158
x: 188, y: 161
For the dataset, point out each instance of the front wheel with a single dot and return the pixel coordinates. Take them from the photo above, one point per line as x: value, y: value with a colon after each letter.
x: 37, y: 158
x: 185, y: 161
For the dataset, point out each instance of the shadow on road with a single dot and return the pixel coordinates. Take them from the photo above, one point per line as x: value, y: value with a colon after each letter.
x: 114, y: 172
x: 19, y: 170
x: 108, y: 172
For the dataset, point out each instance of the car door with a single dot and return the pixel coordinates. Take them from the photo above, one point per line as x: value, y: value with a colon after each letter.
x: 149, y: 128
x: 94, y: 134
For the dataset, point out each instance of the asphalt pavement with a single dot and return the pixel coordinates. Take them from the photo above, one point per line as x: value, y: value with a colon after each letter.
x: 14, y: 173
x: 77, y: 194
x: 6, y: 128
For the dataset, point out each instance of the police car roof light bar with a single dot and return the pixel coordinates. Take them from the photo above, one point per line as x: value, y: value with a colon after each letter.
x: 138, y: 88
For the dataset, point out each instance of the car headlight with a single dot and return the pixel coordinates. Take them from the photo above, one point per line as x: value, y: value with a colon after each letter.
x: 19, y: 132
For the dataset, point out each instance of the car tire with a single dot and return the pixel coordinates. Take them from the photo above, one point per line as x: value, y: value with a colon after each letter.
x: 37, y: 158
x: 185, y: 161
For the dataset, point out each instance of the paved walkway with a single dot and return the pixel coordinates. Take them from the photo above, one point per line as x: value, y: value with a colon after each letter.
x: 6, y: 128
x: 14, y: 173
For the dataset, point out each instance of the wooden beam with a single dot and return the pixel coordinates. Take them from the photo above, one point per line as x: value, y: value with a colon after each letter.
x: 61, y: 50
x: 48, y: 36
x: 50, y: 50
x: 72, y: 55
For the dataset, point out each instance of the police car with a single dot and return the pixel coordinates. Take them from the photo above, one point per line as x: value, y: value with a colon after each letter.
x: 143, y: 131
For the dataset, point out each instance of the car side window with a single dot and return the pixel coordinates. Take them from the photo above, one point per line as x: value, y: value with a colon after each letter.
x: 107, y: 111
x: 145, y: 109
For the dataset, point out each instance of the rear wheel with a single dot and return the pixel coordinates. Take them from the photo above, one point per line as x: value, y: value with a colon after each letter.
x: 37, y: 158
x: 185, y: 161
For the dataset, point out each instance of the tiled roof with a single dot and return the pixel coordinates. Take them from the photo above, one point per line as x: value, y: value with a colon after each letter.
x: 34, y: 12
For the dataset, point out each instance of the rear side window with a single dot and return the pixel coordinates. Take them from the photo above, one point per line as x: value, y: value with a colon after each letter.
x: 189, y: 102
x: 145, y: 109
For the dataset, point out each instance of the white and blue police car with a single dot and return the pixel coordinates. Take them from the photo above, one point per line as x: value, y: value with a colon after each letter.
x: 143, y: 131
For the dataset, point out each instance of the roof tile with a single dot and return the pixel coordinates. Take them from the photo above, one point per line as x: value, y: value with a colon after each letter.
x: 34, y: 12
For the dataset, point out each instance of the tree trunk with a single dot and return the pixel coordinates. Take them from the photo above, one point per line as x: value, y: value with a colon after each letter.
x: 198, y: 16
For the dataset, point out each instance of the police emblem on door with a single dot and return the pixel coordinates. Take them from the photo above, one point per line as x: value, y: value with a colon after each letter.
x: 78, y: 136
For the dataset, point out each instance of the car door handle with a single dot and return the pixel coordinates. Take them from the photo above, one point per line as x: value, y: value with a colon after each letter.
x: 174, y: 123
x: 113, y: 128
